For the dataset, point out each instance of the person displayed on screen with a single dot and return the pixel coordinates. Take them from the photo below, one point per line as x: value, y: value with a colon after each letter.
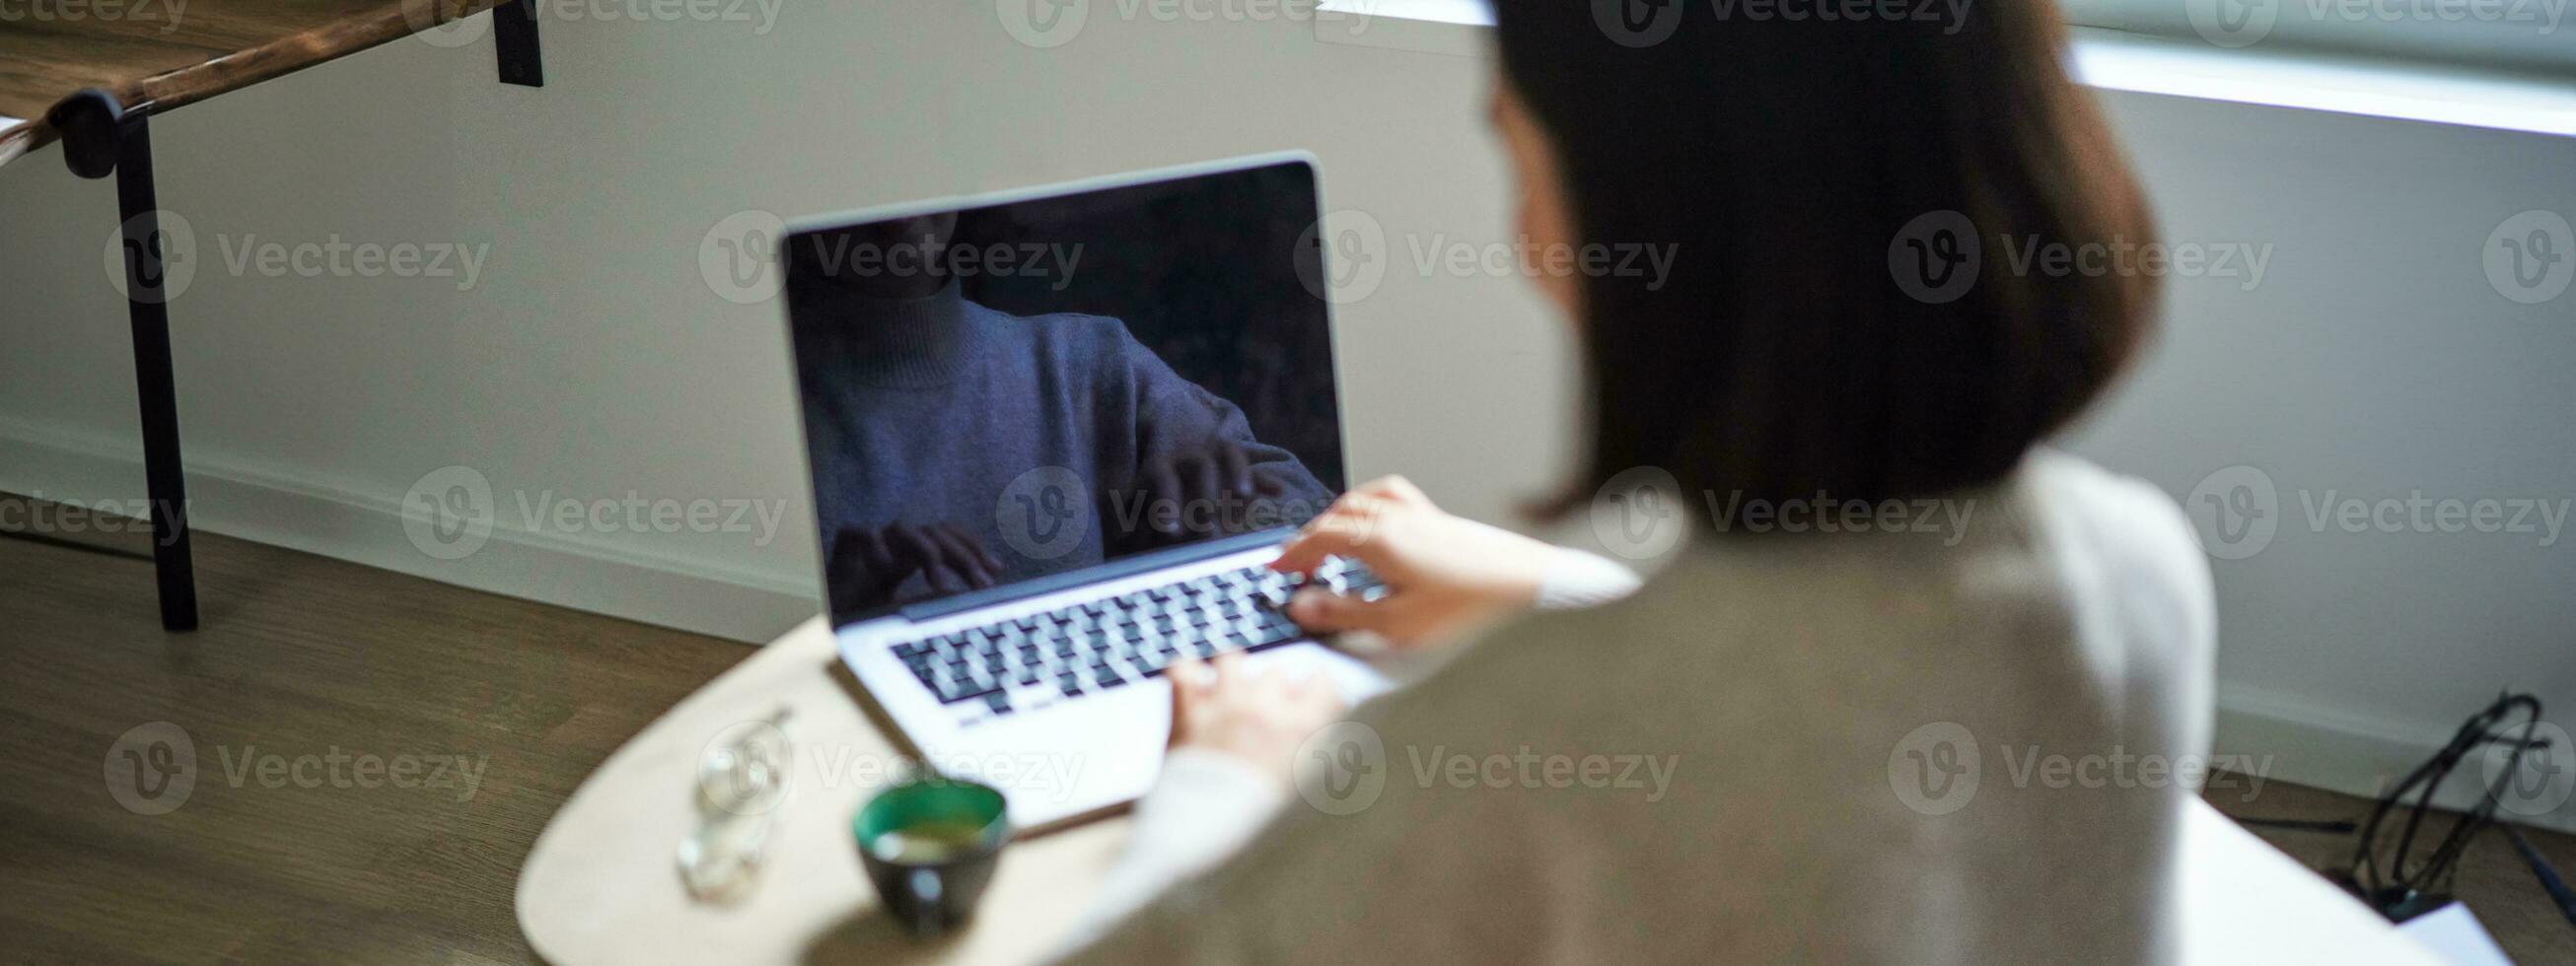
x: 928, y: 413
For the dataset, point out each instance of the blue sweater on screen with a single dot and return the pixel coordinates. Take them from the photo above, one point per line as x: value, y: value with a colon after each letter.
x: 1029, y: 435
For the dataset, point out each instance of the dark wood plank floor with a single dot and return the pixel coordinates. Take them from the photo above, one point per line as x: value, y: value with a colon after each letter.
x: 303, y: 656
x: 299, y: 656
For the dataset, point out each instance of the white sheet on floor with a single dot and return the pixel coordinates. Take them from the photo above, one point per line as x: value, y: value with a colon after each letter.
x: 2454, y: 934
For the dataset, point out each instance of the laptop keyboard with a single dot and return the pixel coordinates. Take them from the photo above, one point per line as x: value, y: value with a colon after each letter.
x: 1113, y: 641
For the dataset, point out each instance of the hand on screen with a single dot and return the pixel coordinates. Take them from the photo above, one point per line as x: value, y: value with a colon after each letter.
x: 1444, y: 574
x: 868, y: 564
x: 1204, y: 491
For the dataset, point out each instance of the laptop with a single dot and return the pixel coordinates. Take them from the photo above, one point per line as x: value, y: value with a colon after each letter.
x: 1055, y: 437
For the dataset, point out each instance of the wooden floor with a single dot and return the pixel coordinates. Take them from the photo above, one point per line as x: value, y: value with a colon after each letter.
x: 299, y: 656
x: 304, y: 656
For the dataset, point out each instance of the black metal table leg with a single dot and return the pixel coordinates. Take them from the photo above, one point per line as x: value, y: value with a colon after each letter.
x: 514, y: 37
x: 98, y: 134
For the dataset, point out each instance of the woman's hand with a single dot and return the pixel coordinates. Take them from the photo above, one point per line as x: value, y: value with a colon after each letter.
x: 1444, y: 574
x: 1259, y: 719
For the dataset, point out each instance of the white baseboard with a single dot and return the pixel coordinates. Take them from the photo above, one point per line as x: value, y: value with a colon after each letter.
x: 345, y: 521
x: 2313, y: 744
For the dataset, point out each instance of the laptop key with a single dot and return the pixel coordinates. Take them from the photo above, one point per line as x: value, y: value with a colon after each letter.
x: 965, y: 691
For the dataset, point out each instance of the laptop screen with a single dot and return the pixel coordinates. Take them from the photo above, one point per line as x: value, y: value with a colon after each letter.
x: 1010, y: 391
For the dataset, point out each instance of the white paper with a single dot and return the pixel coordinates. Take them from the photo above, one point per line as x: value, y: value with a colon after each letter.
x: 2452, y: 933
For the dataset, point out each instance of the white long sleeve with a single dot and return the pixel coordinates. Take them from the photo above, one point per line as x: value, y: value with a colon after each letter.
x: 1203, y: 808
x: 1576, y: 580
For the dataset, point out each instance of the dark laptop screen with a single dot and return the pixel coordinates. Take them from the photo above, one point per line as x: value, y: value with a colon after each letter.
x: 1019, y: 390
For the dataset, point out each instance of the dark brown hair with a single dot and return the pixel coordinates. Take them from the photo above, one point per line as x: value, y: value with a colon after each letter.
x: 1784, y: 162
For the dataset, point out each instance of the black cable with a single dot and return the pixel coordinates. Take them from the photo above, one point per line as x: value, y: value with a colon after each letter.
x: 2548, y: 875
x: 2402, y: 885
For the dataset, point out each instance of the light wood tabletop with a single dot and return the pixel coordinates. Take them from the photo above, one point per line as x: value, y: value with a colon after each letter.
x: 603, y: 886
x: 603, y: 883
x: 168, y: 53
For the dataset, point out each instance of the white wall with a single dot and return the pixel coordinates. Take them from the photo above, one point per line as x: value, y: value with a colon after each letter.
x: 592, y: 361
x: 2373, y: 361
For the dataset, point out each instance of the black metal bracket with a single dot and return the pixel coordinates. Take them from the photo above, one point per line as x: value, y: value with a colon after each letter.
x: 514, y: 36
x: 100, y: 136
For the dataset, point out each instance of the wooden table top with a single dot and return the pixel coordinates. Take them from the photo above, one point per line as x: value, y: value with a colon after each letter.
x: 165, y: 54
x: 603, y: 883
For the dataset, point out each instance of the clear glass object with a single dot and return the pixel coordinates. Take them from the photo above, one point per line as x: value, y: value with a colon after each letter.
x: 742, y: 778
